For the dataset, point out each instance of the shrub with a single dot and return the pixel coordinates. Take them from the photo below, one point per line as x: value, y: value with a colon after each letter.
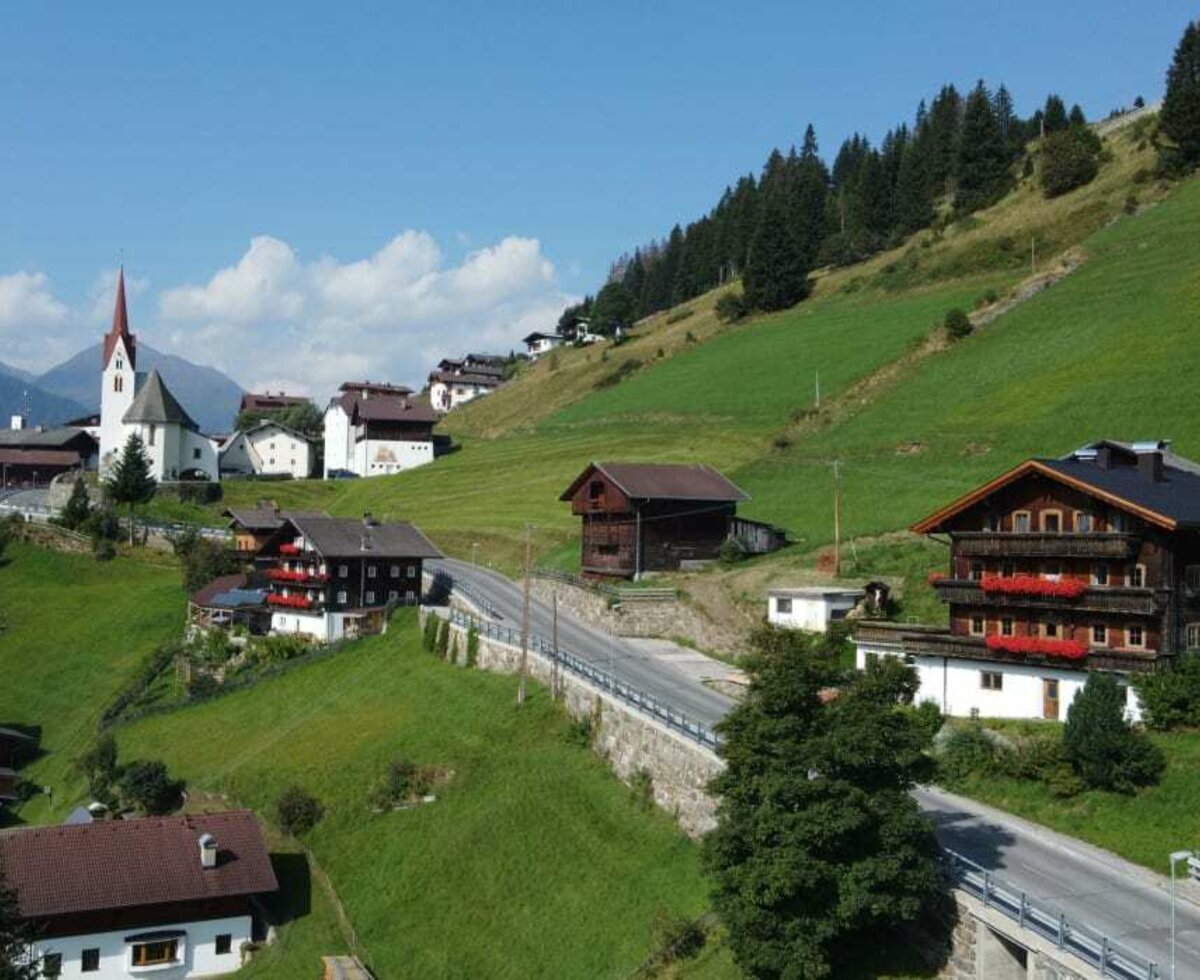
x: 618, y: 374
x: 472, y: 647
x: 660, y: 354
x: 430, y: 636
x: 298, y: 811
x: 731, y: 307
x: 452, y: 656
x: 676, y: 938
x: 641, y: 788
x: 957, y: 324
x: 403, y: 782
x: 1101, y: 746
x: 678, y: 315
x: 147, y: 785
x: 967, y: 751
x: 443, y: 640
x: 202, y: 686
x: 1069, y: 160
x: 105, y: 550
x: 99, y: 766
x: 731, y: 551
x: 1171, y: 698
x: 579, y: 732
x: 689, y: 337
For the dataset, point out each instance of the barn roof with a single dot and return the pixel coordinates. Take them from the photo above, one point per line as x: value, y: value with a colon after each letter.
x: 664, y: 481
x: 118, y: 864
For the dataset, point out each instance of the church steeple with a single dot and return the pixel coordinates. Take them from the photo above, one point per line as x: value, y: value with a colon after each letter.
x: 120, y: 326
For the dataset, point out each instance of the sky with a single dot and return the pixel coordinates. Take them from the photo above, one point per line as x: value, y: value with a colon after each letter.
x: 305, y: 193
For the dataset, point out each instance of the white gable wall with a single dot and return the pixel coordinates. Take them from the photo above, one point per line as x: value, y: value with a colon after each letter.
x: 114, y: 404
x: 337, y: 440
x: 379, y: 457
x: 279, y: 451
x: 808, y: 612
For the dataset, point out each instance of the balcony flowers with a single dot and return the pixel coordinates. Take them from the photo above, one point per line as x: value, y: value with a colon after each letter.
x: 934, y: 577
x: 1065, y: 649
x: 291, y: 601
x: 289, y: 549
x: 299, y: 575
x: 1032, y: 585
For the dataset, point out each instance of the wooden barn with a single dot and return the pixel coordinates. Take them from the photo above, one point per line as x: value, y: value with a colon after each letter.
x: 645, y: 517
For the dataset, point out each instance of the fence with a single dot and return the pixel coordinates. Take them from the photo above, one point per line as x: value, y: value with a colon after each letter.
x: 610, y: 683
x: 1107, y: 955
x: 612, y: 592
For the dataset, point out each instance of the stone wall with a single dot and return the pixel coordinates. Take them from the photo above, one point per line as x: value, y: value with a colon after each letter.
x: 628, y: 739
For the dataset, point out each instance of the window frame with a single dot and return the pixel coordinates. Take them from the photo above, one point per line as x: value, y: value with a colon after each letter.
x: 1054, y: 512
x: 975, y: 571
x: 1100, y: 574
x: 1141, y: 641
x: 342, y: 597
x: 1137, y: 575
x: 1016, y: 518
x: 1191, y: 635
x: 372, y: 571
x: 783, y: 605
x: 169, y: 946
x: 223, y: 939
x: 1008, y: 626
x: 991, y: 680
x: 92, y: 952
x: 1081, y: 517
x: 1099, y: 634
x: 971, y: 630
x: 370, y: 597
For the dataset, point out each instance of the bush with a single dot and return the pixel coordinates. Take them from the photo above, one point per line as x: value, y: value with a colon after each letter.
x: 731, y: 307
x: 429, y: 637
x: 472, y: 647
x: 104, y: 549
x: 967, y: 751
x: 1171, y: 698
x: 1069, y: 160
x: 403, y: 782
x: 443, y: 640
x: 678, y: 315
x: 99, y: 766
x: 731, y: 551
x: 579, y: 732
x: 147, y: 785
x: 202, y: 686
x: 618, y: 374
x: 452, y: 656
x: 298, y: 811
x: 957, y: 324
x: 1101, y: 746
x: 675, y: 938
x: 689, y: 338
x: 641, y: 788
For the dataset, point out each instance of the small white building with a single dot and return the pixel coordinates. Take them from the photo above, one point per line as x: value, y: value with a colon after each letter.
x: 811, y: 608
x: 538, y: 343
x: 268, y: 448
x: 178, y: 901
x: 376, y: 430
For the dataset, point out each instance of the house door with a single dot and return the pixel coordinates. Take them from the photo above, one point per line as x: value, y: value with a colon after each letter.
x: 1049, y: 699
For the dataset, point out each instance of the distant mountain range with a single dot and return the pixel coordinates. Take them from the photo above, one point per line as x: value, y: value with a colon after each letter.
x: 72, y: 389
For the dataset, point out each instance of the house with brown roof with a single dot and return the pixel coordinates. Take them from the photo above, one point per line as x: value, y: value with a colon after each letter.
x: 334, y: 578
x: 374, y: 429
x: 643, y: 517
x: 1057, y: 568
x: 117, y: 899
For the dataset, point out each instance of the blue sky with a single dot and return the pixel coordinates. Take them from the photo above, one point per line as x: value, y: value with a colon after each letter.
x: 521, y: 146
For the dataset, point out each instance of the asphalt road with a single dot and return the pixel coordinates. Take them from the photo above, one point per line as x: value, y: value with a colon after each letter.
x: 1129, y: 904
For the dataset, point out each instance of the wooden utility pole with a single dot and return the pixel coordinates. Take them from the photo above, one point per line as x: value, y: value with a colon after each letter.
x: 555, y: 669
x: 837, y: 521
x: 525, y: 617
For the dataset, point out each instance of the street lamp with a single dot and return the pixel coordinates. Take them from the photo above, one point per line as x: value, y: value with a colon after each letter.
x: 1175, y: 857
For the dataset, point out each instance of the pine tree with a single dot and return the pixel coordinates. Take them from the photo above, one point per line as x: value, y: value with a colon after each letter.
x: 1054, y: 116
x: 983, y: 159
x: 78, y: 507
x: 809, y: 192
x: 1076, y: 117
x: 1101, y: 745
x: 912, y: 205
x: 872, y: 207
x: 945, y: 120
x: 131, y: 482
x: 16, y: 937
x: 1181, y: 105
x: 776, y: 275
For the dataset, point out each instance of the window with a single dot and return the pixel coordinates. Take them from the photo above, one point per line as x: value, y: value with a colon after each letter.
x: 1193, y: 576
x: 412, y: 571
x: 1084, y: 522
x: 992, y: 523
x: 120, y: 363
x: 393, y: 595
x: 1006, y: 626
x: 371, y: 571
x: 153, y: 432
x: 1100, y: 635
x: 1100, y: 575
x: 977, y: 626
x: 395, y: 571
x: 1116, y: 521
x: 1008, y: 570
x: 1137, y: 576
x: 596, y: 493
x: 991, y: 680
x: 52, y: 965
x: 410, y: 597
x: 224, y: 944
x: 90, y: 962
x: 370, y: 598
x: 976, y: 571
x: 156, y: 953
x: 271, y: 461
x: 343, y: 571
x: 1051, y: 630
x: 1051, y: 521
x: 1021, y: 522
x: 1193, y: 636
x: 606, y: 549
x: 118, y: 383
x: 783, y: 606
x: 1052, y: 570
x: 196, y: 453
x: 341, y: 598
x: 1134, y: 637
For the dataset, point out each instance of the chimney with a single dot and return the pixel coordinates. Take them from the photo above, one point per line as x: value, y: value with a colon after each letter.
x: 208, y: 851
x: 1150, y: 466
x: 18, y: 422
x: 1104, y: 457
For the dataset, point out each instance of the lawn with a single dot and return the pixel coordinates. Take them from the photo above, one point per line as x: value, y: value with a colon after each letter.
x: 531, y: 838
x: 74, y: 629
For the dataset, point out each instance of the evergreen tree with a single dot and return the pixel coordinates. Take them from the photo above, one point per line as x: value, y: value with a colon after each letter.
x: 1101, y: 745
x: 614, y: 307
x: 78, y: 507
x: 1006, y: 119
x: 983, y: 158
x: 635, y: 280
x: 819, y: 846
x: 1054, y: 116
x: 809, y: 191
x: 16, y: 937
x: 1069, y: 160
x: 131, y: 483
x: 776, y: 275
x: 1181, y: 105
x: 1076, y: 117
x: 912, y: 207
x: 945, y: 120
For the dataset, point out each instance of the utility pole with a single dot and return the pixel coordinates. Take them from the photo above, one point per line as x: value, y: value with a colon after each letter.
x: 555, y: 669
x: 525, y: 617
x: 837, y: 520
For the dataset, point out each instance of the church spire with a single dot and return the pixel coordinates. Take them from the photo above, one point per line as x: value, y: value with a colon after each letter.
x: 120, y: 325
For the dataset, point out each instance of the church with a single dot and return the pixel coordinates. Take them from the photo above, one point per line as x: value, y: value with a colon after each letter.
x: 132, y: 401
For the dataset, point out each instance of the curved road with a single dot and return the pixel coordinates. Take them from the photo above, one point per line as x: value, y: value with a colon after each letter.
x: 1128, y: 903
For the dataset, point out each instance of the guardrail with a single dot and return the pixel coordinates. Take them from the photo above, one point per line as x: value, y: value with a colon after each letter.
x: 633, y: 696
x: 614, y: 592
x: 1111, y: 958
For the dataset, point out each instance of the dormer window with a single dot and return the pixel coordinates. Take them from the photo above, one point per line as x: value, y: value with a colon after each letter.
x: 1021, y: 522
x: 1051, y: 522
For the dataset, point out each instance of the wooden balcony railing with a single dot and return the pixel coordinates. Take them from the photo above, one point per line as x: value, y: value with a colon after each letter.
x: 1115, y: 599
x: 997, y: 544
x: 975, y: 648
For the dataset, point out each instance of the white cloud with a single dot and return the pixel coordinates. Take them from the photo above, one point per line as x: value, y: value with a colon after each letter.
x: 29, y: 311
x: 274, y: 321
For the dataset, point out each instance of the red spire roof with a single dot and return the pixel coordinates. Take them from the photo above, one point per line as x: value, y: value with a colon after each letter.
x: 120, y: 326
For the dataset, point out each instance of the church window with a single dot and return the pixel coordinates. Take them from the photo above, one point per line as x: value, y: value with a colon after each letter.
x: 153, y: 430
x: 196, y: 453
x: 118, y: 383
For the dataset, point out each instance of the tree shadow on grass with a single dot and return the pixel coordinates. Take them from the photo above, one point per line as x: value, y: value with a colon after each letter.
x: 293, y: 900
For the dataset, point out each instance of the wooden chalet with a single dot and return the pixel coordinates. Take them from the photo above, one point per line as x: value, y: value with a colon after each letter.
x: 253, y: 526
x: 640, y: 517
x: 1058, y: 567
x: 170, y: 896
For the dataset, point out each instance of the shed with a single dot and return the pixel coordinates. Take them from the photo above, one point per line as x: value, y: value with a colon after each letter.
x: 811, y: 607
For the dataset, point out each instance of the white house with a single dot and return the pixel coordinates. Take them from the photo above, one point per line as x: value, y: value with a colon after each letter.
x: 177, y: 901
x: 811, y: 608
x: 375, y: 430
x: 268, y: 448
x: 133, y: 402
x: 538, y: 343
x: 456, y: 382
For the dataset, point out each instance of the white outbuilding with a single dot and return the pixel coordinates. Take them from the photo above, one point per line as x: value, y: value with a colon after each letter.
x: 811, y: 607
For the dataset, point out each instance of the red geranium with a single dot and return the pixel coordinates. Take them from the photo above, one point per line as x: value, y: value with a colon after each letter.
x: 1067, y: 649
x: 1034, y: 586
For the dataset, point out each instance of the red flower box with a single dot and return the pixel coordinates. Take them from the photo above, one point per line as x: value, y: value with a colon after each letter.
x: 1067, y: 649
x: 934, y: 577
x: 284, y: 575
x: 292, y: 601
x: 1031, y: 585
x: 289, y: 549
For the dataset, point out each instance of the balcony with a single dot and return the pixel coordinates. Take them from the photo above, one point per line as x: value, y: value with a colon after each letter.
x: 1106, y: 599
x: 297, y: 576
x: 998, y: 544
x: 947, y: 644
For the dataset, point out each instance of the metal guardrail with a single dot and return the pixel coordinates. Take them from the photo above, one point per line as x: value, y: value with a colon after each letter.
x: 614, y: 592
x: 1111, y: 958
x: 633, y: 696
